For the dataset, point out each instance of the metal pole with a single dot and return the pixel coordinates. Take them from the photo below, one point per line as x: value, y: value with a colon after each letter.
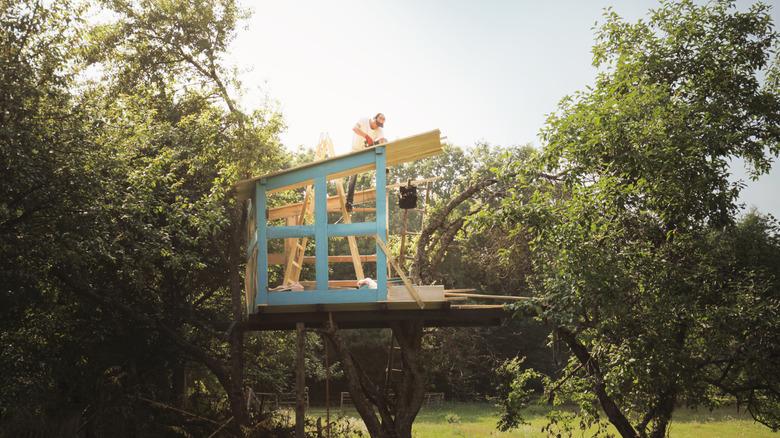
x: 300, y: 406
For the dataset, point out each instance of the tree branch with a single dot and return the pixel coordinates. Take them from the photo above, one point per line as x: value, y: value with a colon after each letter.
x: 614, y: 414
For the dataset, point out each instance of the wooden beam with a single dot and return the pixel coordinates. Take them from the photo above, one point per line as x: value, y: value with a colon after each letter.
x: 361, y: 196
x: 332, y: 283
x: 487, y: 297
x: 407, y: 283
x: 478, y: 306
x: 279, y: 259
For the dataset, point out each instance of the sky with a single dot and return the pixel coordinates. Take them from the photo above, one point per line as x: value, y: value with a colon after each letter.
x: 480, y: 71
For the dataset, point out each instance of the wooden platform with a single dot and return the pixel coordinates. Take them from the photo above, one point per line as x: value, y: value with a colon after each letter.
x: 373, y: 315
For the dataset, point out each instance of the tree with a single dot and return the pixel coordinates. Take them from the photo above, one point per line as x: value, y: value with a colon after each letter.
x: 117, y: 219
x: 45, y: 185
x: 385, y: 416
x: 635, y: 244
x: 179, y: 142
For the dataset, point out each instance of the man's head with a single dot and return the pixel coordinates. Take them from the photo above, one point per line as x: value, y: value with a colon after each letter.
x: 379, y: 120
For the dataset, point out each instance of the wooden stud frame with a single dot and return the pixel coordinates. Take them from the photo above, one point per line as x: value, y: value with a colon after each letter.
x: 374, y: 158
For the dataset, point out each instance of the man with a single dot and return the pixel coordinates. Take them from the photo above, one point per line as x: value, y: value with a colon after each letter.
x: 368, y: 132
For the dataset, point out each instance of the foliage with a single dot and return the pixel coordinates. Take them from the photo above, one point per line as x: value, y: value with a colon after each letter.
x: 117, y: 216
x: 635, y: 250
x: 516, y: 393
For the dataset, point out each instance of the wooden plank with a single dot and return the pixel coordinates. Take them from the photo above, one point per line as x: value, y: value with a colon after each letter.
x: 361, y: 196
x: 331, y: 283
x: 478, y: 306
x: 398, y: 292
x: 280, y: 259
x: 487, y: 297
x: 407, y: 283
x: 333, y: 205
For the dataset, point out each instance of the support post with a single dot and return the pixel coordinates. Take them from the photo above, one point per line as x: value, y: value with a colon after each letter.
x: 381, y: 221
x: 261, y: 224
x: 300, y: 403
x: 321, y: 231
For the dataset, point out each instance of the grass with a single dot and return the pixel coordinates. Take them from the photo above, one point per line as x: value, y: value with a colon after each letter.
x: 475, y: 420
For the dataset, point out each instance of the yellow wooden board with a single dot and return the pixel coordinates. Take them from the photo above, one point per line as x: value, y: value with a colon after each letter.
x: 361, y: 197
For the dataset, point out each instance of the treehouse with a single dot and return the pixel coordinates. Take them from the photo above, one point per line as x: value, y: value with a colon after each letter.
x: 305, y: 208
x: 298, y: 218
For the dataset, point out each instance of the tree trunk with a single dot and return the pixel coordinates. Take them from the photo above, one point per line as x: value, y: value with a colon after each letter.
x: 383, y: 418
x: 411, y: 392
x: 664, y: 415
x: 236, y: 390
x: 179, y: 385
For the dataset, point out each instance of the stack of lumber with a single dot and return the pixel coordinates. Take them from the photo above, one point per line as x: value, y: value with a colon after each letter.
x: 398, y: 151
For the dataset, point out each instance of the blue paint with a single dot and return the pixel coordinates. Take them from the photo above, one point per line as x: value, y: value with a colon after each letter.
x: 321, y: 231
x: 262, y: 239
x: 282, y: 232
x: 381, y: 221
x: 350, y: 161
x: 306, y: 174
x: 336, y: 296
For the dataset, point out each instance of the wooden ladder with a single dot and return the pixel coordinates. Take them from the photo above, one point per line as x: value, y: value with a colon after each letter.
x: 297, y: 247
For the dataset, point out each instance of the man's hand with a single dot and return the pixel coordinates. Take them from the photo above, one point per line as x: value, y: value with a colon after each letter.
x: 369, y: 140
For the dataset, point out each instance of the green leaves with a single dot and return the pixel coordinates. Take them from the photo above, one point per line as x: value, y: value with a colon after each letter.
x: 517, y: 392
x: 116, y: 214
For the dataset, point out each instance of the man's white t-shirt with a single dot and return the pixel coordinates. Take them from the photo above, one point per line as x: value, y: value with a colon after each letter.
x: 358, y: 142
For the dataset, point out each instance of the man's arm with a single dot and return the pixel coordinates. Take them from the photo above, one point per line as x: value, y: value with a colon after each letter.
x: 360, y: 132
